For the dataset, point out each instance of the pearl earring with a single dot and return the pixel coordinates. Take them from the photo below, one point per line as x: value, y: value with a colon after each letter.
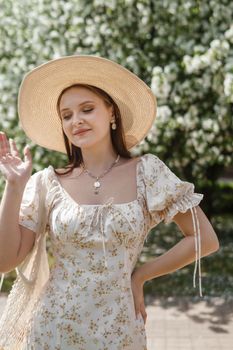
x: 113, y: 122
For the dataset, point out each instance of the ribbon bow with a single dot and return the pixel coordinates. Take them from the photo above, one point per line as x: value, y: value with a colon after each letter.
x: 197, y: 237
x: 99, y: 217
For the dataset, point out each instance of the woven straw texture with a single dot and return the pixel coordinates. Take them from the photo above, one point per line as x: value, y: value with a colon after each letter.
x: 41, y: 87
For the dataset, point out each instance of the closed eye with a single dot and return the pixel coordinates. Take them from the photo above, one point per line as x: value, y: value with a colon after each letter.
x: 88, y: 110
x: 85, y: 111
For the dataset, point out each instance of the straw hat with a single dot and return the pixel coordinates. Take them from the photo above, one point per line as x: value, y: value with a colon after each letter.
x: 41, y: 87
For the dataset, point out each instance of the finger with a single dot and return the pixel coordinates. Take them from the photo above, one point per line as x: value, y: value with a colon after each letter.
x: 5, y: 146
x: 144, y: 315
x: 137, y: 311
x: 1, y: 143
x: 14, y: 149
x: 136, y: 306
x: 7, y: 159
x: 8, y: 149
x: 27, y: 154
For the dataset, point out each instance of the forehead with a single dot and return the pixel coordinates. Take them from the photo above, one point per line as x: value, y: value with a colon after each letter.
x: 77, y: 95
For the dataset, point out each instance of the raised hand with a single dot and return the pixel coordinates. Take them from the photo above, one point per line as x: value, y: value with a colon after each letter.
x: 14, y: 170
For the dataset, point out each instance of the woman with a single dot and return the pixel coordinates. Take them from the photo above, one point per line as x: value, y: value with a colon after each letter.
x: 97, y: 211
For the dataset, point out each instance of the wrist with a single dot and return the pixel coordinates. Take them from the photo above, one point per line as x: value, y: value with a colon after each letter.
x: 14, y: 187
x: 139, y: 276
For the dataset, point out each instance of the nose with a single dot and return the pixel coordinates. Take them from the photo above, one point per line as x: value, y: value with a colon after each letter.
x: 77, y: 119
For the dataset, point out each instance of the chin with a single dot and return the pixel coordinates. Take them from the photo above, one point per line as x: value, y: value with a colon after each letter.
x: 85, y: 145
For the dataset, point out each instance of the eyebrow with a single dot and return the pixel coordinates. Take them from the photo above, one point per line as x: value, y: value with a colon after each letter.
x: 79, y: 105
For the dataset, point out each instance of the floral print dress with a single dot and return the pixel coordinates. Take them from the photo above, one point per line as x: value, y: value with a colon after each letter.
x: 87, y: 302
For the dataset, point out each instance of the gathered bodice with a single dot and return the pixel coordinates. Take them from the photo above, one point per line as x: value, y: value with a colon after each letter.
x: 85, y: 225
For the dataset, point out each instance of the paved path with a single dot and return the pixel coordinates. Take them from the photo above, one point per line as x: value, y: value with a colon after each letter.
x: 186, y: 324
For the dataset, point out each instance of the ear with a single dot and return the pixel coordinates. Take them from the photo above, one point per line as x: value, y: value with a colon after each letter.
x: 111, y: 112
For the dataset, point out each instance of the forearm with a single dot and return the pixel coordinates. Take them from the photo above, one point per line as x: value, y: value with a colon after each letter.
x: 180, y: 255
x: 10, y: 234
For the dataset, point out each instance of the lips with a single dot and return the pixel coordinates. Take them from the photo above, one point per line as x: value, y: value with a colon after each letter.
x: 81, y: 131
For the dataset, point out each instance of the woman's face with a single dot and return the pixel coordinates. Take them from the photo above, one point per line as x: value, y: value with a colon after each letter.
x: 81, y: 108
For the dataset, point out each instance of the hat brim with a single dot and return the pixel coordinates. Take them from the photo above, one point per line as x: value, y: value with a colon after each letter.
x: 41, y: 87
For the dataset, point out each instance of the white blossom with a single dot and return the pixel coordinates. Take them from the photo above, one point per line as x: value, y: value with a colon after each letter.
x: 229, y: 34
x: 160, y: 84
x: 228, y: 86
x: 164, y: 113
x: 190, y: 72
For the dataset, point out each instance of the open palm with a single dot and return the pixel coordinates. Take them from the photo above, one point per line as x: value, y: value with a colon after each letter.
x: 14, y: 170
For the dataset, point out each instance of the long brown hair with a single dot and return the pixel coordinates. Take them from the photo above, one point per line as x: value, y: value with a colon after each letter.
x: 74, y: 153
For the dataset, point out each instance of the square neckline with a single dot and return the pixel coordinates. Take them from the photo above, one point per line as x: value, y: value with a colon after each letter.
x: 68, y: 196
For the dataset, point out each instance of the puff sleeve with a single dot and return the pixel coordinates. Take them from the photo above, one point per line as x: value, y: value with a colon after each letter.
x: 28, y: 213
x: 166, y: 195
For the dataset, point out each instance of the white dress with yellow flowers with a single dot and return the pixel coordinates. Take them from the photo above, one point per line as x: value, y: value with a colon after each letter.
x: 87, y: 302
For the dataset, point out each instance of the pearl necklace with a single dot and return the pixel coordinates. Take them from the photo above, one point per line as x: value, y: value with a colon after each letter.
x: 97, y: 184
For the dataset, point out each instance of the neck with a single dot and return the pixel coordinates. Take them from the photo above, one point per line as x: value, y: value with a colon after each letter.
x: 98, y: 160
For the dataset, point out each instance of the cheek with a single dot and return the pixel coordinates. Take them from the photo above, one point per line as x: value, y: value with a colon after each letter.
x: 101, y: 125
x: 66, y: 128
x: 103, y: 130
